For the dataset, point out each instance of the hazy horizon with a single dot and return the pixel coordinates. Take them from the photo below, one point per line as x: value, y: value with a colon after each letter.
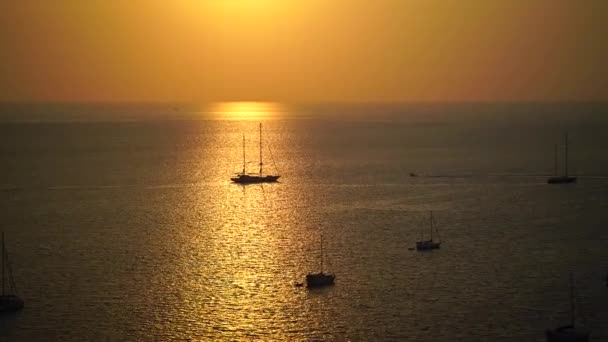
x: 327, y: 102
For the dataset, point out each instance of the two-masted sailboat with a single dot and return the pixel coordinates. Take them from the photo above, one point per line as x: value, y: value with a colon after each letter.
x: 9, y: 300
x: 320, y: 279
x: 568, y: 333
x: 246, y: 178
x: 424, y: 245
x: 563, y: 178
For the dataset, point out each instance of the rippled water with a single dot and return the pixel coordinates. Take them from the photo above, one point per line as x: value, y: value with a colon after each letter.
x: 124, y: 226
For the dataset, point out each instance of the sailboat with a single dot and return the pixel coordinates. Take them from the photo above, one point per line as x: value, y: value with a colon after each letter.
x: 9, y: 301
x: 568, y: 333
x: 320, y: 279
x: 424, y: 245
x: 245, y: 178
x: 564, y: 178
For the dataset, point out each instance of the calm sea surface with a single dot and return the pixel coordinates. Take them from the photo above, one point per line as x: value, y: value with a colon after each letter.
x: 122, y: 224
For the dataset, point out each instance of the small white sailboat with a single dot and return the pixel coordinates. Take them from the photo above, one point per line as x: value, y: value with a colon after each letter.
x: 320, y: 279
x: 9, y: 300
x: 568, y: 333
x: 556, y: 179
x: 424, y: 245
x: 247, y: 178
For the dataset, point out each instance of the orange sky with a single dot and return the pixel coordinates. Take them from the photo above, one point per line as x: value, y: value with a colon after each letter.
x: 303, y: 50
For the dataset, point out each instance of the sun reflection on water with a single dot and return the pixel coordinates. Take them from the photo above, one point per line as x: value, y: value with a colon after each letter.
x: 244, y: 247
x: 248, y: 277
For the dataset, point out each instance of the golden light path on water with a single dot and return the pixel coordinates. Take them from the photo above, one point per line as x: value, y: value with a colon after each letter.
x: 243, y: 247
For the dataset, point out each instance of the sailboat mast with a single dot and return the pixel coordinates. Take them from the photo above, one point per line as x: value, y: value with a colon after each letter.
x: 261, y: 149
x: 3, y: 286
x: 571, y: 300
x: 421, y: 232
x: 321, y: 253
x: 431, y: 225
x: 566, y: 157
x: 244, y: 163
x: 555, y: 161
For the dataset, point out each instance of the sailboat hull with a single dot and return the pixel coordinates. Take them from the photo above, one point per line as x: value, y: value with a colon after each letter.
x: 567, y: 334
x: 427, y: 245
x: 561, y: 180
x: 10, y: 303
x: 319, y: 279
x: 249, y: 179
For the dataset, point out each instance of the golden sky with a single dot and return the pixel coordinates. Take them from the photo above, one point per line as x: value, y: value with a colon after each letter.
x: 303, y: 50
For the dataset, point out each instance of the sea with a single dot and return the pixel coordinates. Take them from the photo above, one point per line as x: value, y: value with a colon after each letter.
x: 121, y: 222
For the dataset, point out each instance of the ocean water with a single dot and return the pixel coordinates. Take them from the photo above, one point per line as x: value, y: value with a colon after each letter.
x: 122, y: 224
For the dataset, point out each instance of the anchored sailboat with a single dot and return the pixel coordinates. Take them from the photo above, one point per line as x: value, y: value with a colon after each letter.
x: 424, y: 245
x: 564, y: 178
x: 568, y: 333
x: 245, y: 178
x: 9, y: 300
x: 320, y: 279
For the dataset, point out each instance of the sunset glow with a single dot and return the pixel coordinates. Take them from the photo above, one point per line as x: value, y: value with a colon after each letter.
x: 303, y: 50
x: 245, y: 110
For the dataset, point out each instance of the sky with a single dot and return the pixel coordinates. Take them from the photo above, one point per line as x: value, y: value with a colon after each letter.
x: 303, y: 50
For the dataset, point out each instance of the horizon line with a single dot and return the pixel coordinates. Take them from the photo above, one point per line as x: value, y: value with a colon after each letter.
x: 337, y: 102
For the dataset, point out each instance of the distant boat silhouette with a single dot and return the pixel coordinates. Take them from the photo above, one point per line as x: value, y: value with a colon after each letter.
x: 424, y: 245
x: 245, y: 178
x: 9, y: 300
x: 568, y: 333
x: 564, y: 178
x: 320, y: 279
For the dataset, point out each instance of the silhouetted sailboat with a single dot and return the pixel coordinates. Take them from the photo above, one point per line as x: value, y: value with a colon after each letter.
x: 320, y: 279
x: 9, y: 301
x: 424, y: 245
x: 245, y: 177
x: 564, y: 178
x: 568, y: 333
